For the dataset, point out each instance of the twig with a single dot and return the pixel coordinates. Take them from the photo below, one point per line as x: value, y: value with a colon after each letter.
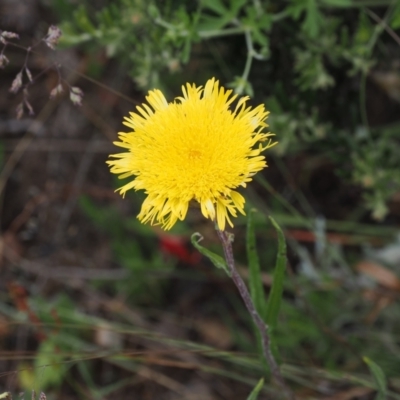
x: 23, y: 144
x: 226, y: 240
x: 385, y: 26
x: 79, y: 180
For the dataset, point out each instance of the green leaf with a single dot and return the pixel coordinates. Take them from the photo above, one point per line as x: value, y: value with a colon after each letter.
x: 296, y: 8
x: 395, y: 21
x: 50, y: 368
x: 153, y: 11
x: 380, y: 378
x: 215, y: 5
x: 236, y: 5
x: 275, y: 296
x: 255, y: 281
x: 338, y: 3
x: 186, y: 50
x: 313, y: 18
x: 217, y: 260
x: 254, y: 393
x: 82, y: 20
x: 209, y: 23
x: 241, y: 86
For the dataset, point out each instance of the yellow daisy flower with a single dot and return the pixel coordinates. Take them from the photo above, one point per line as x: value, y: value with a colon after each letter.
x: 194, y: 148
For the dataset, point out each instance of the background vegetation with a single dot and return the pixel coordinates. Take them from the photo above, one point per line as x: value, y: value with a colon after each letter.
x: 94, y: 305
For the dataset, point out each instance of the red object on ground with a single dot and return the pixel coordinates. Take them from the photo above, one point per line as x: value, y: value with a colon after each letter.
x: 177, y: 246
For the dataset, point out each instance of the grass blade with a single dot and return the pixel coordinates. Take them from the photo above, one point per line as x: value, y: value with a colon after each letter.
x: 255, y: 281
x: 254, y: 393
x: 275, y: 297
x: 380, y: 379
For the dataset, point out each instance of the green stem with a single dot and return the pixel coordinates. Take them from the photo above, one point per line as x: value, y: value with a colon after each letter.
x: 249, y: 61
x: 363, y: 100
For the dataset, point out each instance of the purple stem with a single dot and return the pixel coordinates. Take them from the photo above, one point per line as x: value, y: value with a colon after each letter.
x: 226, y: 240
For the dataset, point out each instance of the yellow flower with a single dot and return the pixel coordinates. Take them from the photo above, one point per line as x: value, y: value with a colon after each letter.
x: 195, y: 148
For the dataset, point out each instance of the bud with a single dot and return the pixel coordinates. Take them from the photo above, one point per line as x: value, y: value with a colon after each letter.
x: 28, y: 74
x: 29, y: 107
x: 56, y: 91
x: 9, y: 35
x: 3, y: 60
x: 76, y: 95
x: 17, y: 83
x: 52, y: 37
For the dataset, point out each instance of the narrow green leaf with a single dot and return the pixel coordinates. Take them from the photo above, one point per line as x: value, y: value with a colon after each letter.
x: 215, y: 5
x: 254, y: 393
x: 395, y: 20
x: 275, y: 296
x: 255, y: 281
x: 211, y: 24
x: 380, y: 378
x: 186, y: 50
x: 217, y: 260
x: 236, y: 5
x: 313, y: 19
x: 82, y: 20
x: 296, y: 9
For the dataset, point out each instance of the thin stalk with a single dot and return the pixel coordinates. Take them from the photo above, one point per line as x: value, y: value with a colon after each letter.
x: 226, y: 240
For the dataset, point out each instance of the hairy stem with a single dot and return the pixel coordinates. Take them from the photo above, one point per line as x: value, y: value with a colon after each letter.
x: 226, y: 240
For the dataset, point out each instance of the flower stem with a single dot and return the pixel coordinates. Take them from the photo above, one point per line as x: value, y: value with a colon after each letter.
x: 226, y: 240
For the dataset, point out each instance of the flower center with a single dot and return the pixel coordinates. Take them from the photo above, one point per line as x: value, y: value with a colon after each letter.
x: 194, y: 154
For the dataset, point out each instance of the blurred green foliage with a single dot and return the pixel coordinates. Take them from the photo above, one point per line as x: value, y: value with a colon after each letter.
x: 133, y: 248
x: 308, y: 59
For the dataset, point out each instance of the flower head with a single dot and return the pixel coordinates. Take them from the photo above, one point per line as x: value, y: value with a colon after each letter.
x: 195, y: 148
